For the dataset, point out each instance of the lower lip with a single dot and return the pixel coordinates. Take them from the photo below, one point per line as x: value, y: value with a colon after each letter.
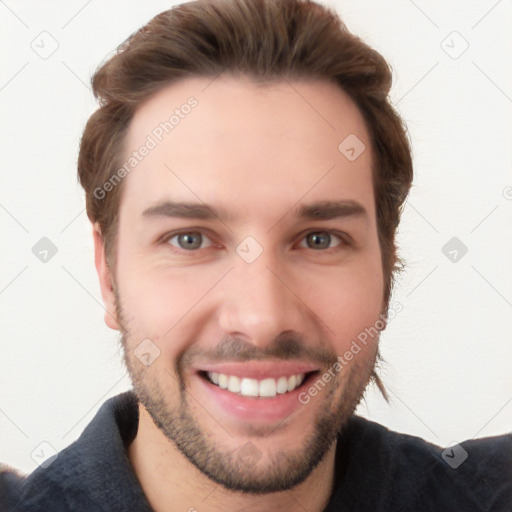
x: 254, y: 409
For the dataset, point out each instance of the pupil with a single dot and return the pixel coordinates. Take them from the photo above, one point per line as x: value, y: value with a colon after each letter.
x: 319, y: 240
x: 190, y: 240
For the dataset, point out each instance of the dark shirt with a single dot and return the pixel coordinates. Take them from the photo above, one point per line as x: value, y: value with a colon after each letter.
x: 376, y: 470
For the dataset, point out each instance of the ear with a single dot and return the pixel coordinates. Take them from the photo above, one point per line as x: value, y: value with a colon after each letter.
x: 105, y: 277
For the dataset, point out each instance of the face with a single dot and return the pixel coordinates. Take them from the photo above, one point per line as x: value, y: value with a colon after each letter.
x: 247, y: 261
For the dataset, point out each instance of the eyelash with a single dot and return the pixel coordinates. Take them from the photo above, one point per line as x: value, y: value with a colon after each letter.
x: 344, y: 239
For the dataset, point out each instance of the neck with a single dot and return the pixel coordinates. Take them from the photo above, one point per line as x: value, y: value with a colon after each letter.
x: 171, y: 482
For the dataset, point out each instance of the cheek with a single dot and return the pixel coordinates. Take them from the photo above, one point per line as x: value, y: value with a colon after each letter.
x: 157, y: 305
x: 349, y: 303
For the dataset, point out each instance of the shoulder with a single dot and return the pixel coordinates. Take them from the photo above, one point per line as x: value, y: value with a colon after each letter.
x: 10, y: 483
x: 92, y: 474
x: 418, y: 475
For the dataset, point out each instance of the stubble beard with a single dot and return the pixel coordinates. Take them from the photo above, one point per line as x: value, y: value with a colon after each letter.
x: 242, y: 469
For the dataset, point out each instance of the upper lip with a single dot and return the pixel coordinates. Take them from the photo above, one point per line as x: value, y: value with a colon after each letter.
x: 259, y: 369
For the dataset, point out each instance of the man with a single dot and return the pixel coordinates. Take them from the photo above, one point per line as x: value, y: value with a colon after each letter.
x: 245, y: 175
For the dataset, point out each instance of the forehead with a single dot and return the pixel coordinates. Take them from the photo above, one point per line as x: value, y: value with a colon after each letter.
x: 257, y: 148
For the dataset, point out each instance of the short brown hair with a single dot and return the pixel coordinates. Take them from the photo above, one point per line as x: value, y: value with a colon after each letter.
x: 267, y: 40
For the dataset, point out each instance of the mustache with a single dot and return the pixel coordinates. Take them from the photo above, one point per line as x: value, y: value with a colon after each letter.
x: 287, y: 345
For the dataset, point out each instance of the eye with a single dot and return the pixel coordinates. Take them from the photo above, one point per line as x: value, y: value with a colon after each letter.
x: 319, y: 240
x: 190, y: 241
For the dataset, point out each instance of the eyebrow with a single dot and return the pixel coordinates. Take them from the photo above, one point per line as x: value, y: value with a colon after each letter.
x: 185, y: 211
x: 321, y: 210
x: 327, y: 210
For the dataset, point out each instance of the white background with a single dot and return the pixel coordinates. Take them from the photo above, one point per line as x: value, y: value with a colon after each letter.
x: 448, y: 353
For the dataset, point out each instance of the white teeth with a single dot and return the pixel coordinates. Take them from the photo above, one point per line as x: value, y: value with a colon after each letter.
x: 252, y: 387
x: 282, y: 385
x: 268, y: 387
x: 223, y: 381
x: 234, y: 384
x: 249, y: 387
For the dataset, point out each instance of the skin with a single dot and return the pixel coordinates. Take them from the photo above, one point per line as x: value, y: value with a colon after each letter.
x: 258, y: 153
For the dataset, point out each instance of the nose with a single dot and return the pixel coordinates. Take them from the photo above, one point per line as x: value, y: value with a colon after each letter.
x: 258, y: 302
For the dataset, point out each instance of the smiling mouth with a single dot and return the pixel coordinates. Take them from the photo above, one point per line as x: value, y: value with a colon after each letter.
x: 257, y: 388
